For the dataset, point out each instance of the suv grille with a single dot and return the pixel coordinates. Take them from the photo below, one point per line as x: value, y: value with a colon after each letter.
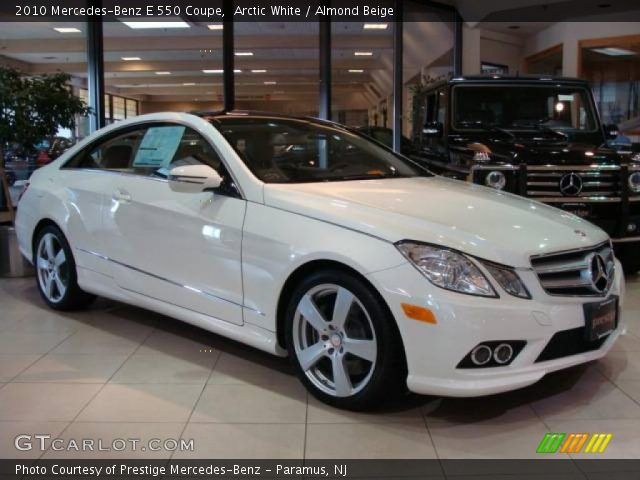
x: 585, y: 272
x: 574, y: 182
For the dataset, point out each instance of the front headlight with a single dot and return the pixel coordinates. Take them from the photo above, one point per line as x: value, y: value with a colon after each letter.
x: 508, y: 280
x: 447, y: 269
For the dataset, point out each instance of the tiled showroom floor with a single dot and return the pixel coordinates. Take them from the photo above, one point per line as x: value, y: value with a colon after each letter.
x: 118, y: 372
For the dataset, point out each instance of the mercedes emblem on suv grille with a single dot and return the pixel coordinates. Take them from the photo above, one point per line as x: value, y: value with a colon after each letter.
x: 571, y: 184
x: 598, y: 272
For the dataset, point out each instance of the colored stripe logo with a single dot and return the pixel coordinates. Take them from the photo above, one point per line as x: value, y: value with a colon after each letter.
x: 574, y: 443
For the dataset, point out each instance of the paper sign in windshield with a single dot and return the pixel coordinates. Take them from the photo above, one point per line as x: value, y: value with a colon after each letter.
x: 158, y: 146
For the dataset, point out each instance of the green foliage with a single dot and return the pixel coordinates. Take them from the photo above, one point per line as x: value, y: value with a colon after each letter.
x: 32, y: 108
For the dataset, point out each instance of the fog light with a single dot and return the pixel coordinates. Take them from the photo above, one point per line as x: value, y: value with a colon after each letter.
x: 497, y: 180
x: 481, y: 355
x: 503, y: 353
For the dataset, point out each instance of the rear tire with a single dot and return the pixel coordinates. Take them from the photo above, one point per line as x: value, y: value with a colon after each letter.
x: 343, y: 342
x: 56, y: 273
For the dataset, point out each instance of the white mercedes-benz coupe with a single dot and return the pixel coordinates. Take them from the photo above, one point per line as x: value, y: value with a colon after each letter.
x: 304, y: 238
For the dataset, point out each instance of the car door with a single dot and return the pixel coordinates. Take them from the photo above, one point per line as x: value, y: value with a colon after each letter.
x: 86, y: 185
x: 179, y: 248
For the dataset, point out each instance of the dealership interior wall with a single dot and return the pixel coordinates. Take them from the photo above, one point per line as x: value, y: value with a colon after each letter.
x: 277, y: 65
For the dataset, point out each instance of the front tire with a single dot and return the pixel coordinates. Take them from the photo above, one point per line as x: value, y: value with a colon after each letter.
x: 56, y: 274
x: 343, y: 342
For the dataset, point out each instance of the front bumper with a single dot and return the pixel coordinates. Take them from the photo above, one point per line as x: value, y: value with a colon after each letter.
x: 434, y: 350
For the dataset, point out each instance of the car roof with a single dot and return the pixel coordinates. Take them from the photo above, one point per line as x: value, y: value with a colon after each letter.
x: 222, y: 114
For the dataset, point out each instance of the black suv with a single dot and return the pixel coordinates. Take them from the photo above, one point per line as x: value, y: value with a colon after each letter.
x: 541, y: 138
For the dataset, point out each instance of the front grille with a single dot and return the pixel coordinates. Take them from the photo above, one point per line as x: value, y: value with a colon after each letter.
x: 574, y: 183
x: 567, y: 343
x: 584, y: 272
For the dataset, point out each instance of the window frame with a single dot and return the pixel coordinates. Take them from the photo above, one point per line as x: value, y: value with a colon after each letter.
x: 233, y: 189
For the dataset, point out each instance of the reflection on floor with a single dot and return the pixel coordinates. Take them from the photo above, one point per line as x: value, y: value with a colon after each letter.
x: 118, y: 372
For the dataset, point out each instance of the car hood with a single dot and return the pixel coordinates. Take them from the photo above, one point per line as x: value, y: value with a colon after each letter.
x: 483, y: 222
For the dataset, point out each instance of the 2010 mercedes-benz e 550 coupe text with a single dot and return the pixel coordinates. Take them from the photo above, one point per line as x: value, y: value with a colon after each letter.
x: 303, y: 237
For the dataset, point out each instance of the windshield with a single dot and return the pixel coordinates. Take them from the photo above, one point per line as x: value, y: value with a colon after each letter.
x: 280, y: 150
x: 523, y: 108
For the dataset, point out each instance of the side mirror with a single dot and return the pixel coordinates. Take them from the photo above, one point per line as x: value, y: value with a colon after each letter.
x: 611, y: 131
x: 433, y: 130
x: 193, y: 179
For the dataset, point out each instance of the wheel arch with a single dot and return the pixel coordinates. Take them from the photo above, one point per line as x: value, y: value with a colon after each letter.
x: 45, y: 222
x: 307, y: 269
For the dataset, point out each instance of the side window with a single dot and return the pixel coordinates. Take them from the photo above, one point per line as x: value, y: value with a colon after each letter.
x: 115, y: 153
x: 430, y: 115
x: 149, y: 151
x: 442, y: 107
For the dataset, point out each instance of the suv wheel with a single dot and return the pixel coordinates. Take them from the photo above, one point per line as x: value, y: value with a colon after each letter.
x: 343, y: 342
x: 56, y: 272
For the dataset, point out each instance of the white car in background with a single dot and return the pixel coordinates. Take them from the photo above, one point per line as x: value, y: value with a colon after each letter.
x: 305, y: 238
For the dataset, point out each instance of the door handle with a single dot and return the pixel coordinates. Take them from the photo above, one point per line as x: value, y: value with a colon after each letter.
x: 121, y: 196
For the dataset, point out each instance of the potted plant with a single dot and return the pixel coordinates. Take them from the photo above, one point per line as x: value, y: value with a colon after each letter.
x: 32, y: 108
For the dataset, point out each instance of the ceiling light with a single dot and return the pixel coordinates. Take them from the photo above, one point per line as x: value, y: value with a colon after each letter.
x: 363, y: 54
x: 67, y: 30
x: 163, y: 73
x: 258, y: 71
x: 270, y: 83
x: 131, y: 59
x: 220, y: 71
x: 188, y: 84
x: 613, y: 51
x: 244, y: 54
x: 148, y: 25
x: 356, y: 70
x: 375, y: 26
x: 215, y: 26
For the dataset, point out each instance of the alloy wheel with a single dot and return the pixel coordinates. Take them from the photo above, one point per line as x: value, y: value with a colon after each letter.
x: 52, y: 268
x: 334, y: 340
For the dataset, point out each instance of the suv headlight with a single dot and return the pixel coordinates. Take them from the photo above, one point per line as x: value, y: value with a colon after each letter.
x: 447, y: 269
x: 508, y: 279
x: 495, y: 179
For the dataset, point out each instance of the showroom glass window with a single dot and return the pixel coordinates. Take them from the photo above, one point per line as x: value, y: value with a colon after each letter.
x: 428, y: 57
x: 153, y: 66
x: 292, y: 151
x: 613, y: 68
x: 37, y: 48
x: 148, y: 151
x: 276, y: 65
x: 361, y: 75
